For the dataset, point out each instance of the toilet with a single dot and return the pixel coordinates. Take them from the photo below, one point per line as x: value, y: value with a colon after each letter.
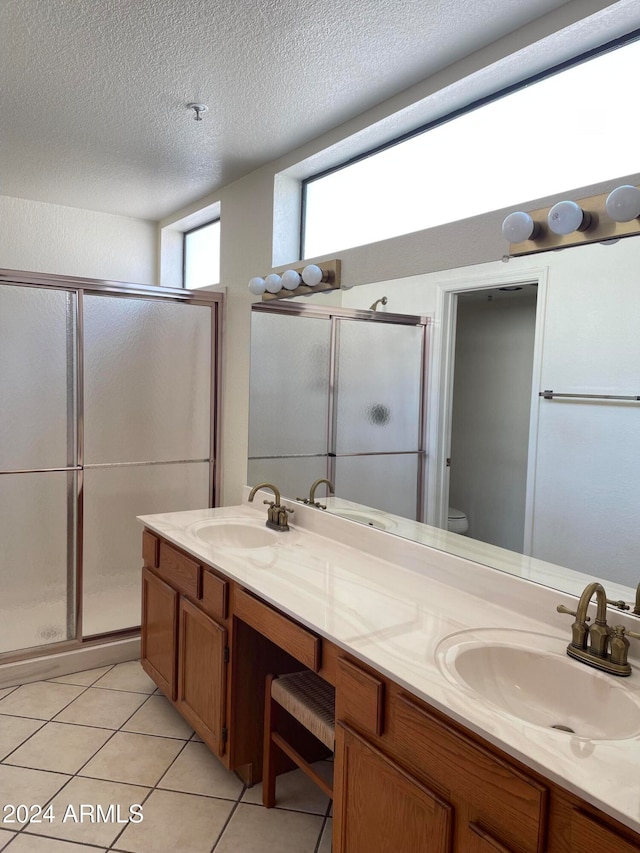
x: 458, y: 522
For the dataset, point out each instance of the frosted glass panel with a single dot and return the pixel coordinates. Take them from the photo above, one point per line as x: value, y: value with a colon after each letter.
x: 289, y: 384
x: 112, y: 536
x: 147, y: 380
x: 33, y: 559
x: 293, y: 476
x: 389, y: 482
x: 378, y: 387
x: 36, y: 362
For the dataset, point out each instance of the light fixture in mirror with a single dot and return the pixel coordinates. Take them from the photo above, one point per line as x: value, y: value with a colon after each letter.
x: 565, y: 217
x: 297, y: 281
x: 623, y: 203
x: 273, y: 283
x: 290, y: 279
x: 519, y: 226
x: 257, y: 285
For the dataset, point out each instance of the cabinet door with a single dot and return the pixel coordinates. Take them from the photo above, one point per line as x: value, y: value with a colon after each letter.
x: 159, y: 632
x: 202, y: 675
x: 380, y: 807
x: 589, y: 834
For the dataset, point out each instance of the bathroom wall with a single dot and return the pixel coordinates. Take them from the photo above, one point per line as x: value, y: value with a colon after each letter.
x: 51, y: 238
x: 258, y: 213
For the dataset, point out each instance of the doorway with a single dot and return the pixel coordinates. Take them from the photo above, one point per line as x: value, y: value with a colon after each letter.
x: 486, y: 360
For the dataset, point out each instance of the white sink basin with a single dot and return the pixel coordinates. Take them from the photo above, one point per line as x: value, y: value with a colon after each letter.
x: 236, y: 533
x: 529, y: 676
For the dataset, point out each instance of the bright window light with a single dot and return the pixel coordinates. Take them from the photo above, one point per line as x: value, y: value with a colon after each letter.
x: 575, y: 128
x: 202, y: 256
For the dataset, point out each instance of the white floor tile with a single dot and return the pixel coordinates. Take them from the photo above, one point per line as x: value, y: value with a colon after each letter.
x: 59, y: 747
x: 41, y: 700
x: 102, y: 708
x: 14, y: 731
x: 132, y: 758
x: 127, y: 676
x: 158, y: 717
x: 176, y: 822
x: 254, y: 829
x: 197, y: 771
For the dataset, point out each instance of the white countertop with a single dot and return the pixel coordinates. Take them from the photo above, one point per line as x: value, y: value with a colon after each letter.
x: 390, y: 602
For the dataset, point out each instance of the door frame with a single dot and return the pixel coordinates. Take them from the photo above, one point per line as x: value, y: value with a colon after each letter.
x: 440, y: 390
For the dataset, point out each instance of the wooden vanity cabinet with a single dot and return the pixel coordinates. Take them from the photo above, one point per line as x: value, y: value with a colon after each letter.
x: 185, y: 648
x: 476, y: 800
x: 407, y: 778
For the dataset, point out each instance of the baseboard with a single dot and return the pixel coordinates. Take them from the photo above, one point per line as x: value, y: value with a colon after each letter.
x: 63, y: 663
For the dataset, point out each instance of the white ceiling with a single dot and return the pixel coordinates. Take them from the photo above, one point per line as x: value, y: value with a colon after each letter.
x: 93, y: 93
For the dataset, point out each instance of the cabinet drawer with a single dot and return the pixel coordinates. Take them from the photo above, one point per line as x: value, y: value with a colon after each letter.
x: 288, y: 635
x: 180, y: 571
x: 359, y: 698
x: 215, y: 595
x: 509, y: 805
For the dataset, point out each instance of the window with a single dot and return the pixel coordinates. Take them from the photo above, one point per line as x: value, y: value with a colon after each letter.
x: 201, y: 253
x: 576, y: 126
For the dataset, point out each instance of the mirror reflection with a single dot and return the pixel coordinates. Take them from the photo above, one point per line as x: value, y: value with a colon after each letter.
x: 431, y: 424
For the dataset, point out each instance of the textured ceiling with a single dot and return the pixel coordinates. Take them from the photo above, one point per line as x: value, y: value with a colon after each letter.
x: 93, y: 93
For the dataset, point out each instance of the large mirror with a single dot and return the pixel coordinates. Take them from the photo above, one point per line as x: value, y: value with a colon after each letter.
x: 544, y: 486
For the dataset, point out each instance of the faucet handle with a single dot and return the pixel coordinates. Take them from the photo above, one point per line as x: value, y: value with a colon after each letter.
x: 621, y: 605
x: 562, y: 609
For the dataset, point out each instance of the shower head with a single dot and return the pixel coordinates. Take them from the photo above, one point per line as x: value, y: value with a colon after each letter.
x: 382, y: 301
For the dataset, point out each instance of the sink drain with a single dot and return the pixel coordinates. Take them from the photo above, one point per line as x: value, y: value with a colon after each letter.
x: 562, y: 728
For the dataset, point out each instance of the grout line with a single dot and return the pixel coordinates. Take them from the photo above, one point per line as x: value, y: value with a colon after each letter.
x: 227, y: 822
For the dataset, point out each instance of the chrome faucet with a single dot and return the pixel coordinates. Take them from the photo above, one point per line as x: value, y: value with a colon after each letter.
x: 598, y: 645
x: 311, y: 500
x: 277, y: 515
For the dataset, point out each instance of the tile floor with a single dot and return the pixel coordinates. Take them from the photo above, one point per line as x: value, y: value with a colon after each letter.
x: 106, y: 738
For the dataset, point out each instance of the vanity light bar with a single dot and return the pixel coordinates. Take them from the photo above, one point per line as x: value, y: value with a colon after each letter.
x: 568, y: 223
x: 298, y: 281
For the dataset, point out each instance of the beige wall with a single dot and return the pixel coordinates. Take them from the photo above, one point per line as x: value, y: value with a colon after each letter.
x: 50, y: 238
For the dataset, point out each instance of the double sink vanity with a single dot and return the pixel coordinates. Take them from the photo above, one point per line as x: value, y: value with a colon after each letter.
x: 461, y: 723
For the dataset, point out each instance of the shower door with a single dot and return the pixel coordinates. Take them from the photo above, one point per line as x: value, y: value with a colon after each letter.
x: 339, y: 393
x: 38, y: 466
x: 108, y: 398
x: 146, y: 448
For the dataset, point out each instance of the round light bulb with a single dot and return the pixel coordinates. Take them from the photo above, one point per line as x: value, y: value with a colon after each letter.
x: 312, y: 275
x: 273, y: 283
x: 290, y: 279
x: 257, y: 286
x: 518, y: 227
x: 623, y: 204
x: 565, y: 217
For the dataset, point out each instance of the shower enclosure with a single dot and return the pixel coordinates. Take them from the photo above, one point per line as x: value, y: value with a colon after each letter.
x: 339, y: 393
x: 109, y: 395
